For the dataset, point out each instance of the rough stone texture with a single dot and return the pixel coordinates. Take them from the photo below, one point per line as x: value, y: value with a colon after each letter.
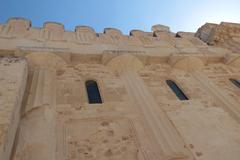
x: 160, y: 28
x: 226, y: 35
x: 140, y: 117
x: 13, y: 78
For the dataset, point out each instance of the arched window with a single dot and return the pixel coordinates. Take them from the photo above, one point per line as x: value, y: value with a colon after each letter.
x: 93, y: 92
x: 235, y: 82
x: 179, y: 93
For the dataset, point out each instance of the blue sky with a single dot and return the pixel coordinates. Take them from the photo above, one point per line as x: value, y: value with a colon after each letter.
x: 180, y: 15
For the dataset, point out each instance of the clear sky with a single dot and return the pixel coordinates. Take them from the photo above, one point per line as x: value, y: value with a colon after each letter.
x: 180, y: 15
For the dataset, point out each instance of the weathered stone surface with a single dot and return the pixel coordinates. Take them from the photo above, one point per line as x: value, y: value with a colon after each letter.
x: 226, y: 35
x: 140, y: 117
x: 205, y: 32
x: 161, y: 28
x: 13, y: 79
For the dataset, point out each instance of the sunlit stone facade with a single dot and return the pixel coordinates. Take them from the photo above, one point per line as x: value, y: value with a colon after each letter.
x: 82, y: 95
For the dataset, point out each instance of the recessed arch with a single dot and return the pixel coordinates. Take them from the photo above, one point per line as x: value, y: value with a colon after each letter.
x: 45, y: 59
x: 178, y: 92
x: 93, y: 93
x: 124, y: 62
x: 186, y: 63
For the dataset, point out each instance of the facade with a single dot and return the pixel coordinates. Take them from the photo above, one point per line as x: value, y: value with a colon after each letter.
x: 70, y: 95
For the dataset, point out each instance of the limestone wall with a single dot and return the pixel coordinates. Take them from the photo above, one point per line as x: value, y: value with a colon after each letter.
x: 18, y: 34
x: 13, y: 78
x: 226, y: 35
x: 140, y: 118
x: 206, y: 122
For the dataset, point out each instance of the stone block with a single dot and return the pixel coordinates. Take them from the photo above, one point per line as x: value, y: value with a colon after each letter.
x: 161, y: 28
x: 112, y: 31
x: 53, y: 31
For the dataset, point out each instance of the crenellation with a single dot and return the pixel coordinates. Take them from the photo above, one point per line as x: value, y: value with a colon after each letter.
x: 205, y: 32
x: 16, y: 28
x: 112, y: 31
x: 231, y: 25
x: 113, y: 35
x: 53, y: 26
x: 225, y: 35
x: 160, y: 28
x: 139, y: 33
x: 146, y: 38
x: 84, y: 29
x: 34, y: 34
x: 19, y: 23
x: 70, y: 37
x: 192, y: 38
x: 53, y: 31
x: 85, y: 34
x: 165, y: 36
x: 97, y: 96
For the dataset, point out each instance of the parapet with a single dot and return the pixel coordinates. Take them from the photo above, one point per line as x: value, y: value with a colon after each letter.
x: 139, y: 33
x: 84, y: 29
x: 19, y: 23
x: 160, y: 36
x: 160, y: 28
x: 226, y: 35
x: 53, y: 31
x: 53, y: 26
x: 112, y: 31
x: 15, y: 27
x: 85, y: 34
x: 230, y: 25
x: 205, y: 32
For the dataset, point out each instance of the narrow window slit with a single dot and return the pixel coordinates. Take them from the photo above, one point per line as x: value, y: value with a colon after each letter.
x: 178, y: 92
x: 93, y: 92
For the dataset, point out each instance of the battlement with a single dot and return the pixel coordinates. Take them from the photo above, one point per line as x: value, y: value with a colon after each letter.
x: 53, y: 35
x: 22, y: 23
x: 54, y: 31
x: 87, y: 95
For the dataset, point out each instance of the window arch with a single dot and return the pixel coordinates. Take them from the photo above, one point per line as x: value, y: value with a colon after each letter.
x: 93, y: 92
x: 235, y: 82
x: 178, y: 92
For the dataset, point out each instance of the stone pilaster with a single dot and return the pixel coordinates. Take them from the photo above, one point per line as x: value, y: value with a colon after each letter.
x: 37, y: 128
x: 168, y: 143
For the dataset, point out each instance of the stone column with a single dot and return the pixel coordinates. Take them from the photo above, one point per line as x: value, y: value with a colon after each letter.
x: 37, y: 128
x: 167, y: 141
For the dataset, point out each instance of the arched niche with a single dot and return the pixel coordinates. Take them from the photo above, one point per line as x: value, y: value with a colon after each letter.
x: 121, y: 63
x: 45, y: 60
x: 187, y: 63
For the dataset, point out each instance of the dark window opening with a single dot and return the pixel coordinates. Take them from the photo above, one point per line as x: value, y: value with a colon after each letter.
x: 235, y: 82
x: 179, y: 93
x: 93, y: 92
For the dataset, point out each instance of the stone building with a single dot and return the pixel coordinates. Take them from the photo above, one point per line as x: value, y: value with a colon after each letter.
x: 82, y: 95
